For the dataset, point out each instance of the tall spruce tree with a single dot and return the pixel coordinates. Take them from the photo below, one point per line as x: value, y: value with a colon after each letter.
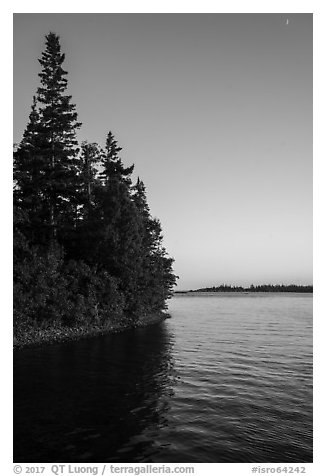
x: 58, y: 121
x: 119, y: 244
x: 157, y: 277
x: 28, y: 177
x: 91, y: 156
x: 84, y: 244
x: 113, y: 168
x: 25, y: 165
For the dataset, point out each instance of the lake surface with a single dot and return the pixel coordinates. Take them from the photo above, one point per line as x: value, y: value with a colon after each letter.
x: 227, y: 379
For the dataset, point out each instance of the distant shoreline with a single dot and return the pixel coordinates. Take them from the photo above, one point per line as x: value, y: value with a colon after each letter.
x: 241, y: 292
x: 265, y: 288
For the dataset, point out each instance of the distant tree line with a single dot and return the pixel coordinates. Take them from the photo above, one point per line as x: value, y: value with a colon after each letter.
x: 277, y: 288
x: 86, y: 247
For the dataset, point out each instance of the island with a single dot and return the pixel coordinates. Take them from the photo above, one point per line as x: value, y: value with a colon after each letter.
x: 261, y: 288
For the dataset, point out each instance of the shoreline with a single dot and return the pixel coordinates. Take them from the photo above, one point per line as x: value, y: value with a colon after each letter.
x: 53, y: 335
x: 243, y: 292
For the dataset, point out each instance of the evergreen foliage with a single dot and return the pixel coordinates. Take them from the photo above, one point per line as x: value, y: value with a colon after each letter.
x: 86, y: 248
x: 113, y: 169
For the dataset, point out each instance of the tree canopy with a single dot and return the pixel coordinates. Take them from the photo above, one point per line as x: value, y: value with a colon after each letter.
x: 86, y: 248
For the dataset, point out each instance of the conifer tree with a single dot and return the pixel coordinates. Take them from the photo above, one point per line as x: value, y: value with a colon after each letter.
x: 58, y: 120
x: 29, y: 178
x: 91, y: 156
x: 84, y: 245
x: 157, y: 277
x: 113, y: 168
x: 25, y: 167
x: 119, y: 245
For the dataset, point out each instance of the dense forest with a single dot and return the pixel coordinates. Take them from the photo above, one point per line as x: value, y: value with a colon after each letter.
x: 266, y: 288
x: 87, y: 251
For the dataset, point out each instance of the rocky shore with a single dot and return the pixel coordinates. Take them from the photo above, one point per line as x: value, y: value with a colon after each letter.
x: 45, y: 336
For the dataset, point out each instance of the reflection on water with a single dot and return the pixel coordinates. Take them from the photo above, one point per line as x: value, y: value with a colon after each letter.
x: 227, y: 379
x: 103, y: 399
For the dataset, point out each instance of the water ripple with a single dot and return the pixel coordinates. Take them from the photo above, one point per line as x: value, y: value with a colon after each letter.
x: 227, y: 379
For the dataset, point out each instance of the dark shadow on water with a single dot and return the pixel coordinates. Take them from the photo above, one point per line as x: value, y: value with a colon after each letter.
x: 100, y: 399
x: 231, y: 389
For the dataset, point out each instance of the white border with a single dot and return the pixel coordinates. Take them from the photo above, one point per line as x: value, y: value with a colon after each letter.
x: 319, y: 195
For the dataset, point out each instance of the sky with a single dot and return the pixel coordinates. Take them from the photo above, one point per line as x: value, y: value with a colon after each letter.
x: 215, y: 111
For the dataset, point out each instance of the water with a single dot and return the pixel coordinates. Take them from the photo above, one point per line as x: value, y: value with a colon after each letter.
x: 227, y: 379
